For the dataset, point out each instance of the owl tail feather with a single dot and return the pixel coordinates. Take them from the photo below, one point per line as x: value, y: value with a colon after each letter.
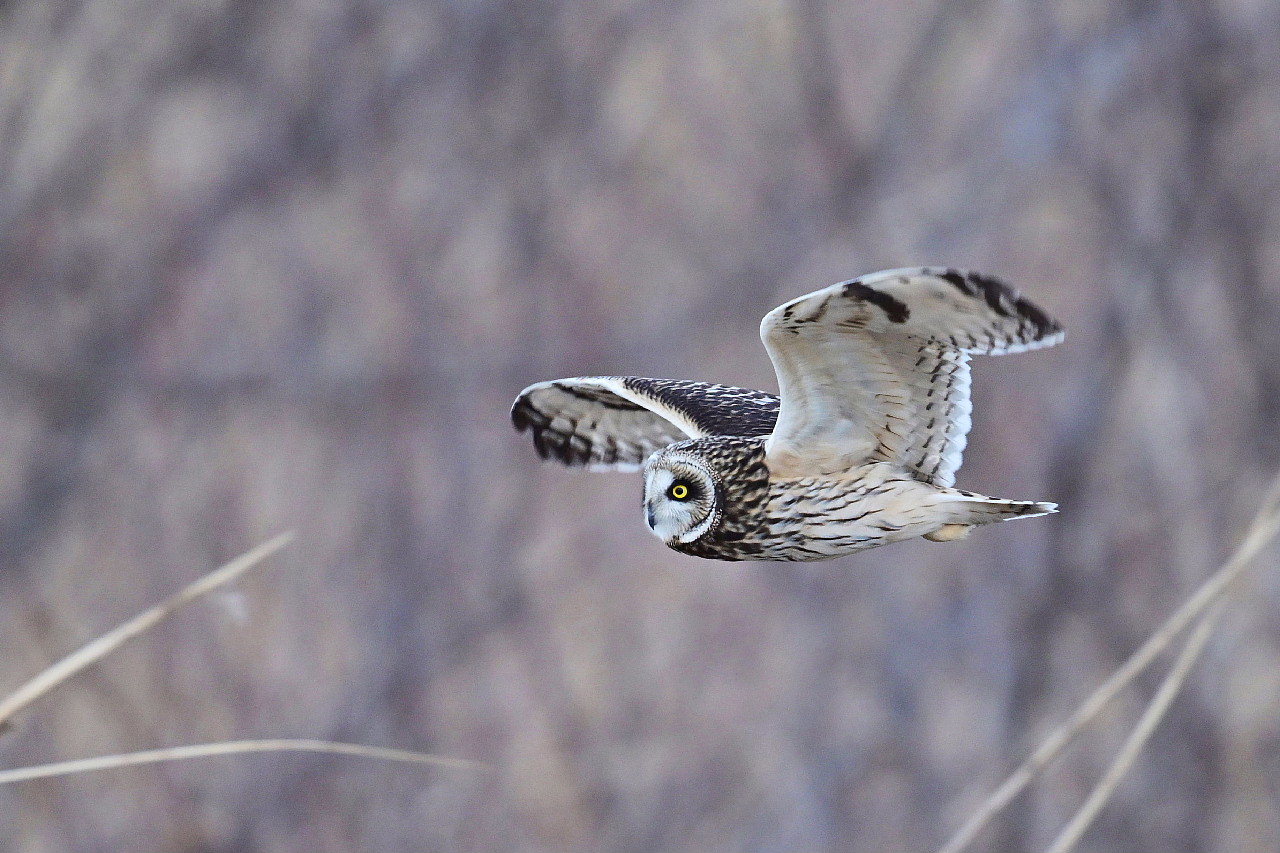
x: 968, y: 508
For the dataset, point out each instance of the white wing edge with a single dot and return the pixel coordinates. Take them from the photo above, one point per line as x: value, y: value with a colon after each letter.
x: 614, y: 385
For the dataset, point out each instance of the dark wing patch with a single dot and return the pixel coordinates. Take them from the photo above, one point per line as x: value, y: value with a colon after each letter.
x: 619, y: 421
x: 895, y: 309
x: 713, y: 409
x: 1033, y: 325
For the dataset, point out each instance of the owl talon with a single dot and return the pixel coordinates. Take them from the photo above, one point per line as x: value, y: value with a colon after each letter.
x: 949, y: 533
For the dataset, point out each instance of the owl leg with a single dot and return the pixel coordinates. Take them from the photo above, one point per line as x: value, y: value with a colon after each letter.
x: 949, y: 533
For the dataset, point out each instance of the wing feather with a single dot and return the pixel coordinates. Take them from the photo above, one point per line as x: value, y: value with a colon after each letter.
x: 616, y: 422
x: 878, y: 367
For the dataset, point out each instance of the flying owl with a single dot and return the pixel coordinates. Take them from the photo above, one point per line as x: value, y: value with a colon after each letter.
x: 860, y: 449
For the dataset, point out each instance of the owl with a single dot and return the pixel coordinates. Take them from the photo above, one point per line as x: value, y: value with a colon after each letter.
x: 860, y: 447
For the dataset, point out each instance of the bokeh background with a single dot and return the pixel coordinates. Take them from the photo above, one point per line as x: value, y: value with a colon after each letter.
x: 269, y: 265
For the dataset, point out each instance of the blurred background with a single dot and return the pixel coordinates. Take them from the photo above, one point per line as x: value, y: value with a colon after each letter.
x: 269, y: 265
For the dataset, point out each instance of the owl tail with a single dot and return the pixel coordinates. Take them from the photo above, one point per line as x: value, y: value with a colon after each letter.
x: 963, y: 510
x: 968, y: 508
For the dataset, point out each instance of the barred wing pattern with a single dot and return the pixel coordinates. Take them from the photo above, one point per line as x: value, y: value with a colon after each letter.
x: 616, y: 422
x: 878, y: 367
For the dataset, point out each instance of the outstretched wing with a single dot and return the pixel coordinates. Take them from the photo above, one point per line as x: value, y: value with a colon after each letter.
x: 878, y: 367
x: 618, y: 421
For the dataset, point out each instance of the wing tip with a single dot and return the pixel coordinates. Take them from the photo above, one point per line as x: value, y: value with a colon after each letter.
x: 519, y: 419
x: 524, y: 416
x: 1006, y: 301
x: 541, y: 411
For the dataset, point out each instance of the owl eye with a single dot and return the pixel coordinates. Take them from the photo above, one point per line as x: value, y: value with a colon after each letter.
x: 678, y: 491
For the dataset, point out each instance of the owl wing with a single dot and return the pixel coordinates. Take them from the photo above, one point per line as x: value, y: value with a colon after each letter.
x: 878, y: 367
x: 616, y: 422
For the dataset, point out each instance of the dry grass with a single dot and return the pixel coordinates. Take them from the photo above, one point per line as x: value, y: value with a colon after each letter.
x: 1206, y: 605
x: 97, y: 649
x: 1071, y: 833
x: 230, y: 747
x: 1265, y: 526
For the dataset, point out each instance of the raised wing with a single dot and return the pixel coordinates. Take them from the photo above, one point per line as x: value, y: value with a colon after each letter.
x: 618, y: 421
x: 878, y: 367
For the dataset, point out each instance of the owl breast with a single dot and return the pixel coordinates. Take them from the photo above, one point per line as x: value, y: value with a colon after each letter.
x: 872, y: 504
x: 810, y: 518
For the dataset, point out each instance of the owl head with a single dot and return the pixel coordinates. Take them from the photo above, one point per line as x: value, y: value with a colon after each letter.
x: 681, y: 496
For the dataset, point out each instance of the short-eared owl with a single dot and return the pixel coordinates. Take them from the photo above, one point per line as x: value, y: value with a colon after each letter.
x: 860, y: 449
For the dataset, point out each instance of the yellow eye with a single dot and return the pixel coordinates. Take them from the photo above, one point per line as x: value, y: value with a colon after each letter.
x: 679, y: 491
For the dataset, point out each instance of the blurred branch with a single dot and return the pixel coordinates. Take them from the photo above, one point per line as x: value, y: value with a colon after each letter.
x: 818, y: 75
x: 235, y: 747
x: 97, y: 649
x: 854, y: 164
x: 1265, y: 525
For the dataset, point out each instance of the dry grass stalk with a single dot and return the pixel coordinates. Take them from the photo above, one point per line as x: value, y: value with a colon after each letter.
x: 104, y: 645
x: 96, y: 650
x: 1265, y: 525
x: 238, y: 747
x: 1151, y: 716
